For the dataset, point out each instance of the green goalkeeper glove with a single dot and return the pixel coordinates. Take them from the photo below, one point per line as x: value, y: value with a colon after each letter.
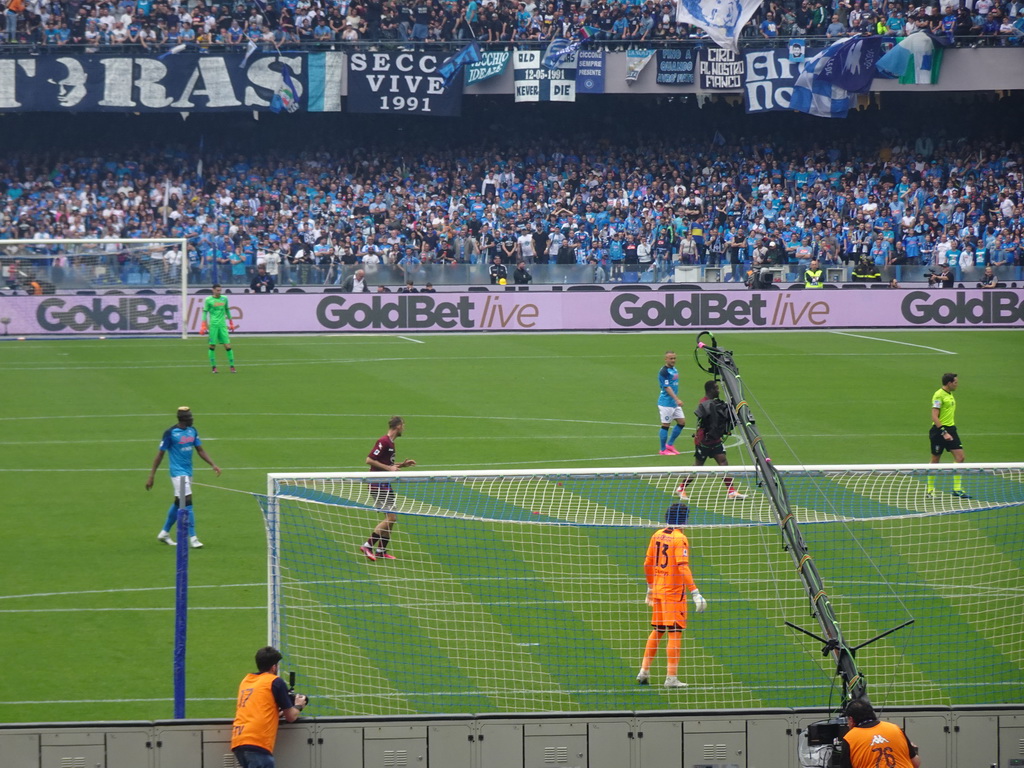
x: 698, y: 601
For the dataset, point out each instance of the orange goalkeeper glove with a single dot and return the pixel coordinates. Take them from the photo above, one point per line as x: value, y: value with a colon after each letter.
x: 203, y: 328
x: 231, y: 325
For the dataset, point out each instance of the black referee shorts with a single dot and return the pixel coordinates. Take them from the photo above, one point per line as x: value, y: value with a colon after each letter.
x: 939, y: 443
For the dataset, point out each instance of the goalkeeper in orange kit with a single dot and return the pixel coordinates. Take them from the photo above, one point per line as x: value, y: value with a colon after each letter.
x: 217, y: 321
x: 667, y: 570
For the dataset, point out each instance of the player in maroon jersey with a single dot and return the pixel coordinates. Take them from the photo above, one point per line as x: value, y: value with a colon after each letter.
x: 382, y: 459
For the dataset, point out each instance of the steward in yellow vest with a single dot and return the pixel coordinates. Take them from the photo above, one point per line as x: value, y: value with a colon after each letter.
x: 814, y: 277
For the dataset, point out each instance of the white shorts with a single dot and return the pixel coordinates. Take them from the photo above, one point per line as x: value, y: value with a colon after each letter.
x: 176, y: 484
x: 670, y: 413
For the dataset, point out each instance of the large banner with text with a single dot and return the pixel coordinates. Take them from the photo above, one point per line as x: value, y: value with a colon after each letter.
x: 401, y: 82
x: 182, y: 82
x: 770, y: 77
x: 536, y: 82
x: 520, y: 311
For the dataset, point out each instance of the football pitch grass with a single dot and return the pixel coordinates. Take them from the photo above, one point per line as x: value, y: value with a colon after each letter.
x: 88, y: 597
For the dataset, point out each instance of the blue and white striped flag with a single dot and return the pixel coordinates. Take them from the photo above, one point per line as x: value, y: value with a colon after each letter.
x: 812, y: 95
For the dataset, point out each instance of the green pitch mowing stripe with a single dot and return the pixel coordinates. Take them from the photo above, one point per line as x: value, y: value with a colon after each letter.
x: 340, y: 657
x: 424, y: 637
x: 500, y: 567
x: 976, y: 606
x: 596, y: 553
x: 900, y: 549
x: 991, y: 523
x: 777, y: 663
x: 386, y: 662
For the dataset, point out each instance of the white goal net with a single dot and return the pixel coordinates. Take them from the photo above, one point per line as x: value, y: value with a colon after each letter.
x: 97, y: 285
x: 523, y: 591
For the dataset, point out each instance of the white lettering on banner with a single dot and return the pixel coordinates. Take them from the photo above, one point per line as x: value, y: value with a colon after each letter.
x: 8, y: 80
x: 720, y: 81
x: 217, y: 84
x: 769, y: 80
x: 263, y: 76
x: 117, y: 82
x: 399, y: 82
x: 411, y: 83
x: 765, y: 65
x: 403, y: 62
x: 727, y: 68
x: 129, y: 82
x: 764, y: 95
x: 180, y: 82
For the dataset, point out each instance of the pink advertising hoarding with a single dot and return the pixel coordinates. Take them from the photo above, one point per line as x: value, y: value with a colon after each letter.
x: 524, y: 312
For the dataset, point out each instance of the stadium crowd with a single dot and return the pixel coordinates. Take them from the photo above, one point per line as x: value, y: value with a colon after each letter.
x: 162, y: 24
x: 644, y: 206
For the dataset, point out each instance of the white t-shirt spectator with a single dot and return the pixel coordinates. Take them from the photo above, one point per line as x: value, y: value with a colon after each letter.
x: 525, y: 241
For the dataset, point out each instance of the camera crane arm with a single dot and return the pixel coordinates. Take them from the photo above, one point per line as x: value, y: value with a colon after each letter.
x: 722, y: 365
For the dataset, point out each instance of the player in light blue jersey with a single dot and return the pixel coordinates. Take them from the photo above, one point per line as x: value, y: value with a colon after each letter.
x: 180, y: 442
x: 670, y: 407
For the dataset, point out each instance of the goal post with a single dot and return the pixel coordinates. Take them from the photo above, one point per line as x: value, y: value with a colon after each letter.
x: 523, y: 590
x: 93, y: 266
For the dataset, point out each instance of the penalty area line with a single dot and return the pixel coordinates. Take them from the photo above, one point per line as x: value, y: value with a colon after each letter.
x: 892, y: 341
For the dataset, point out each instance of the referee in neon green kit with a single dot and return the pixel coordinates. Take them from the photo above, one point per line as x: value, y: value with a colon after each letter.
x: 943, y: 435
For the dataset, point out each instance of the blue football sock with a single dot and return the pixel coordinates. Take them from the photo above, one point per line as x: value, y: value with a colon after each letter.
x: 191, y: 520
x: 172, y: 517
x: 675, y: 433
x: 663, y: 436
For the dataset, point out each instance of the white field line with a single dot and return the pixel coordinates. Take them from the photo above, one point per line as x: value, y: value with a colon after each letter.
x: 891, y: 341
x: 102, y: 365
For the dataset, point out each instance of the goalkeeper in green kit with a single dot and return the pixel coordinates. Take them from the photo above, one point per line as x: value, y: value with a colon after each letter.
x: 217, y: 321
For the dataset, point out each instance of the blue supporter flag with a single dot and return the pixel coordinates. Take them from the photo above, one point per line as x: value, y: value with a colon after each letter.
x: 853, y: 62
x: 453, y: 65
x: 560, y: 49
x: 557, y: 50
x: 814, y: 96
x: 287, y: 97
x: 723, y: 20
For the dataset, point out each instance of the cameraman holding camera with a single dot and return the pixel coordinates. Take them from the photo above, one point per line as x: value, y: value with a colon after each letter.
x: 263, y: 698
x: 872, y: 742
